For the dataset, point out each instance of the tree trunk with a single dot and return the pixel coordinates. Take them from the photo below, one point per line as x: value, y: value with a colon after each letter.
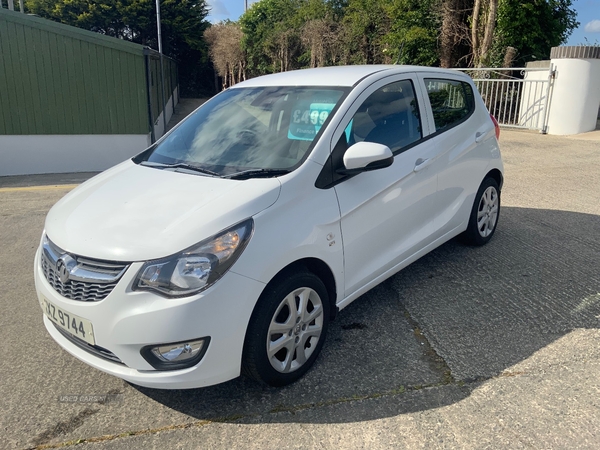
x: 450, y: 25
x: 489, y: 31
x: 509, y: 59
x: 475, y: 31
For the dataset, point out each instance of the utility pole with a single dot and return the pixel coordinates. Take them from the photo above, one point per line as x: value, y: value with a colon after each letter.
x: 245, y: 5
x: 162, y: 69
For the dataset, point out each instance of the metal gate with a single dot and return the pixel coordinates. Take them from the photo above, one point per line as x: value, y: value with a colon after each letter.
x: 516, y: 97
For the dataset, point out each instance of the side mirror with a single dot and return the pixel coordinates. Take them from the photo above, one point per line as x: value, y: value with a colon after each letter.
x: 365, y: 156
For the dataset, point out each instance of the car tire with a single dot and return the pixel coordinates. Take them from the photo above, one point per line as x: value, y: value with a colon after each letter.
x: 287, y: 328
x: 484, y: 214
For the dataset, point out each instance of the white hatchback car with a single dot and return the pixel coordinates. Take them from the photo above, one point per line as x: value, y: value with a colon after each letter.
x: 230, y: 244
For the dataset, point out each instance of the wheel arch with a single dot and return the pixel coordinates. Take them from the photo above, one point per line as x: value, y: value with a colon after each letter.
x: 317, y: 267
x: 496, y: 175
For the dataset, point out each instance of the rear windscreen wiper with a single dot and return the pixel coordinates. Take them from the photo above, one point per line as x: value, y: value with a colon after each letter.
x: 180, y: 166
x: 254, y: 173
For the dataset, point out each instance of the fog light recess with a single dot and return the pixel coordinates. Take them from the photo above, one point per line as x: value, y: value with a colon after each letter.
x: 178, y: 355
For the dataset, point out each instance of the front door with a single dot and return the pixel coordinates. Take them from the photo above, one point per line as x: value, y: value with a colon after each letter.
x: 387, y: 215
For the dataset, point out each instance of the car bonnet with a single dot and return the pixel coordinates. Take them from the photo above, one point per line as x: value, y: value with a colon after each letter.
x: 135, y: 213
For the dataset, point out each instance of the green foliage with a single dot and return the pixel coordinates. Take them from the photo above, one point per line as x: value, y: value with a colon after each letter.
x: 271, y: 28
x: 413, y: 34
x: 350, y: 31
x: 365, y: 24
x: 391, y: 31
x: 533, y: 27
x: 182, y: 25
x: 287, y: 34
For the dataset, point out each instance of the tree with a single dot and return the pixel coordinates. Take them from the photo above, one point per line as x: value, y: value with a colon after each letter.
x: 183, y: 24
x: 482, y: 31
x: 286, y: 34
x: 413, y: 34
x: 365, y: 24
x: 271, y: 40
x: 533, y: 27
x: 318, y: 22
x: 320, y: 37
x: 454, y: 31
x: 228, y: 57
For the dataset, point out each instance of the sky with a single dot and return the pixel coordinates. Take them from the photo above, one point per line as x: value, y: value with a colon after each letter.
x: 588, y: 14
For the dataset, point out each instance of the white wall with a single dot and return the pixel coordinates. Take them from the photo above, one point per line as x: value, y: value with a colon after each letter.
x: 576, y: 96
x: 31, y: 154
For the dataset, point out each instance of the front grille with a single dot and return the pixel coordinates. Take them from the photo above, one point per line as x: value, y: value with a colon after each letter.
x: 93, y: 349
x: 76, y: 290
x: 89, y: 280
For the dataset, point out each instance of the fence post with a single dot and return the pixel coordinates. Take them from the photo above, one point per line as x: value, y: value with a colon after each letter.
x: 551, y: 73
x: 149, y: 94
x: 173, y: 82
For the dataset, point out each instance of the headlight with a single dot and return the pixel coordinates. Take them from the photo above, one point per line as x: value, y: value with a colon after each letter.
x: 198, y: 267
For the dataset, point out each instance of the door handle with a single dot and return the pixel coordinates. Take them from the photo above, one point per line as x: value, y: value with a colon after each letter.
x: 479, y: 136
x: 421, y: 163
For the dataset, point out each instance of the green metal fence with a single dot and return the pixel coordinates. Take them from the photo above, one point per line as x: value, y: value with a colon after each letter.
x: 58, y: 79
x: 154, y: 80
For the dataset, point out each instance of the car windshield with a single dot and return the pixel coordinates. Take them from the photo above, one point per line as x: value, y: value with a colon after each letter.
x: 266, y: 130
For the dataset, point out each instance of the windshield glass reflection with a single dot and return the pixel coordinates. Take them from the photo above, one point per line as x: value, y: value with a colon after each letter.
x: 251, y: 128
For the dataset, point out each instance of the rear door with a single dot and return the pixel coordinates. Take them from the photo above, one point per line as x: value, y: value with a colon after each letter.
x: 462, y: 133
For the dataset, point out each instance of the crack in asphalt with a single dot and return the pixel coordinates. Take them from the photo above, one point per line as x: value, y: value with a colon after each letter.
x: 64, y: 427
x: 400, y: 390
x: 436, y: 362
x: 69, y: 425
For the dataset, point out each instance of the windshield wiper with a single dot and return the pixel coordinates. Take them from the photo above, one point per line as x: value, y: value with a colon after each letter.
x: 254, y: 173
x: 184, y: 166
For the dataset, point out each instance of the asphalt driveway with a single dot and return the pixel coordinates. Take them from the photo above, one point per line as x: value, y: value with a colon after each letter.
x: 493, y: 347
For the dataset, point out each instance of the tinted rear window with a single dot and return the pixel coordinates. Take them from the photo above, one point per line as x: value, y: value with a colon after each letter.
x: 451, y: 101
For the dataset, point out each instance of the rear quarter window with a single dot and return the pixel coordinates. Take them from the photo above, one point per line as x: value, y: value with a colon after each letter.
x: 451, y: 102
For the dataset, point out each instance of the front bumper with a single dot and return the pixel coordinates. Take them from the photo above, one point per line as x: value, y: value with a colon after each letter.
x: 126, y: 321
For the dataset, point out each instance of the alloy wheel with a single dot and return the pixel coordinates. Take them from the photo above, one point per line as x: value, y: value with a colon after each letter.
x: 487, y: 212
x: 295, y: 330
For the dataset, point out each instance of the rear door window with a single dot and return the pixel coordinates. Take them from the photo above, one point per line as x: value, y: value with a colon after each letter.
x: 451, y: 101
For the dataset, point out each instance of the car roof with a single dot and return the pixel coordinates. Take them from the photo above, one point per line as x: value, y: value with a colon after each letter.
x: 334, y: 76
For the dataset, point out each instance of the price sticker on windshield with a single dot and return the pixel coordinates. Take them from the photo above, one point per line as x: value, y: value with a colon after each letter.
x: 307, y: 119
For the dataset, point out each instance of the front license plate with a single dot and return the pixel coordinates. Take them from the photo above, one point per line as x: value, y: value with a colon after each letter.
x: 71, y: 323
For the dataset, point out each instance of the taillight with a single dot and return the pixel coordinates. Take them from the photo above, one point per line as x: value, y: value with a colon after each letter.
x: 496, y: 126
